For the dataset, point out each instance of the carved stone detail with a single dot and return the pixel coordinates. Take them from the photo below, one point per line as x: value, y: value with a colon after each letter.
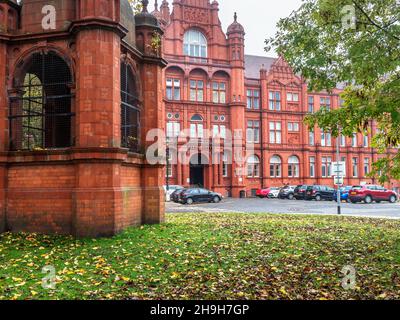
x: 196, y: 15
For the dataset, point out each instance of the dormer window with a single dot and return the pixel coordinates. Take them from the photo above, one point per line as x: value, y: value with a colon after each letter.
x: 195, y: 44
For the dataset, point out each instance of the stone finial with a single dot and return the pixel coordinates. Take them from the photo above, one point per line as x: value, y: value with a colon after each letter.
x: 235, y: 17
x: 145, y: 4
x: 156, y: 5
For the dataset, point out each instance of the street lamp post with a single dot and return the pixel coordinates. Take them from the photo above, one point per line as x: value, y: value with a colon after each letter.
x: 167, y: 162
x: 339, y: 198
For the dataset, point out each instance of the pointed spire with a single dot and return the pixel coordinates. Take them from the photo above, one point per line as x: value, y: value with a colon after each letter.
x: 156, y: 5
x: 235, y: 27
x: 145, y: 4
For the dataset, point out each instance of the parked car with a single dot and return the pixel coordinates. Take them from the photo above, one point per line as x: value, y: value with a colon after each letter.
x: 344, y: 194
x: 300, y: 192
x: 370, y: 193
x: 287, y: 192
x: 169, y: 190
x: 190, y: 196
x: 175, y: 196
x: 268, y: 192
x: 262, y: 193
x: 274, y: 192
x: 319, y: 193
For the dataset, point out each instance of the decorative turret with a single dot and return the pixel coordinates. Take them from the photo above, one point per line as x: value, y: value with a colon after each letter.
x: 156, y: 12
x: 148, y: 32
x: 238, y: 103
x: 263, y: 72
x: 236, y: 41
x: 166, y: 13
x: 235, y: 29
x: 145, y: 18
x: 162, y: 15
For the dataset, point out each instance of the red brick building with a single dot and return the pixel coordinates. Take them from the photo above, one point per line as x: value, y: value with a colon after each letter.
x: 76, y: 100
x: 212, y: 84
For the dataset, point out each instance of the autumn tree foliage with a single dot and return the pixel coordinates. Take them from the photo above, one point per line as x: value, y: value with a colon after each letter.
x: 355, y: 43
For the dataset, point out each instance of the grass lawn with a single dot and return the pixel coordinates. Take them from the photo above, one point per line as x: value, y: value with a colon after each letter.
x: 211, y: 256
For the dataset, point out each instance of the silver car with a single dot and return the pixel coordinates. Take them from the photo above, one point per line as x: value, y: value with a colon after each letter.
x: 170, y: 190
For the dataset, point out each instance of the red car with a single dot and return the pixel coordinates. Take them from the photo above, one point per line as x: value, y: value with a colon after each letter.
x: 370, y: 193
x: 262, y: 193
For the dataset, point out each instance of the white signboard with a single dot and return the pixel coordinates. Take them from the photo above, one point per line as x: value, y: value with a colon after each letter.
x: 339, y: 169
x: 339, y: 181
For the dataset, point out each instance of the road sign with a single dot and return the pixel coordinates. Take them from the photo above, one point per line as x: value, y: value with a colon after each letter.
x: 339, y: 169
x: 338, y: 180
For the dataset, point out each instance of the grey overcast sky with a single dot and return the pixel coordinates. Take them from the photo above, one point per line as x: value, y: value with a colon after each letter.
x: 258, y: 17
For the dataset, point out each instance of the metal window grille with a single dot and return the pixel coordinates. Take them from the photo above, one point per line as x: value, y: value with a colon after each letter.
x: 130, y: 112
x: 40, y: 115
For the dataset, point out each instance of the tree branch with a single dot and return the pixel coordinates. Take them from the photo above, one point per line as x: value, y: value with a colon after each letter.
x: 375, y: 24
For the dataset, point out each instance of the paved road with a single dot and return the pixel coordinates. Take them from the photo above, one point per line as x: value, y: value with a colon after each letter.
x: 383, y: 210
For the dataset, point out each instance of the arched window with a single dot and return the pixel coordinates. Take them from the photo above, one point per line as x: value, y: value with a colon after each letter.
x: 253, y: 167
x: 196, y: 117
x: 196, y: 127
x: 40, y: 114
x: 294, y: 167
x: 275, y: 167
x: 130, y: 113
x: 195, y: 44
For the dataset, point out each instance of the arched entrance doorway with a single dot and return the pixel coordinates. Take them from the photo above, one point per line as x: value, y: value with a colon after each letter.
x: 198, y: 163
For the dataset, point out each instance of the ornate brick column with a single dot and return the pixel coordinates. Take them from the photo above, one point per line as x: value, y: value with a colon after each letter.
x: 238, y: 105
x: 97, y: 196
x: 3, y: 129
x: 148, y: 35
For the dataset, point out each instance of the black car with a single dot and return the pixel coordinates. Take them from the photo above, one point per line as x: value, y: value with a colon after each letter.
x: 300, y: 192
x: 319, y: 193
x: 175, y: 196
x: 190, y: 196
x: 287, y: 192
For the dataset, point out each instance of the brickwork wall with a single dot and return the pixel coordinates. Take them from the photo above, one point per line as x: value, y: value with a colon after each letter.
x: 131, y: 198
x: 39, y: 198
x: 94, y: 188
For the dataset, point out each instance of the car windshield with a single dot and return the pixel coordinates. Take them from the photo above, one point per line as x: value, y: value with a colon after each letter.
x: 357, y: 188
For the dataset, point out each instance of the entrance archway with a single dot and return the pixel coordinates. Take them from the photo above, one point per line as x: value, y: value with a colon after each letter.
x: 198, y: 163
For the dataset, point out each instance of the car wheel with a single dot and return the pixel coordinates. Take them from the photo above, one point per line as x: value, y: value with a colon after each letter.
x: 368, y: 199
x: 217, y: 199
x: 318, y: 198
x: 290, y: 197
x: 348, y: 200
x: 392, y: 199
x: 189, y: 201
